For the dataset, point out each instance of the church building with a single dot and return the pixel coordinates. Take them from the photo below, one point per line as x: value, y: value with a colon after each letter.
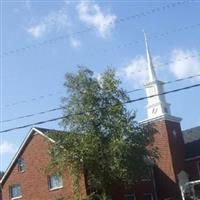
x: 175, y: 175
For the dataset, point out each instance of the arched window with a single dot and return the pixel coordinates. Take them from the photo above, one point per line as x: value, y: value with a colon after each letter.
x: 21, y: 165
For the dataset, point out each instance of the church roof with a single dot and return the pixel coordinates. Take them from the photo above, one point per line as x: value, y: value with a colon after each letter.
x: 192, y: 142
x: 47, y: 130
x: 21, y: 148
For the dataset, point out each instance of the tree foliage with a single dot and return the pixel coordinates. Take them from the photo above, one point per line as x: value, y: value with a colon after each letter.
x: 102, y: 138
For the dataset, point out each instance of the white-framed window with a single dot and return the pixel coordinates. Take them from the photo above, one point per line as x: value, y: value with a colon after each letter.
x: 55, y: 182
x: 129, y: 196
x: 198, y: 167
x: 15, y: 191
x: 21, y: 165
x: 148, y: 196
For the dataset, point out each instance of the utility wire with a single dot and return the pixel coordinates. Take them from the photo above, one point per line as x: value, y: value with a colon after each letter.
x: 169, y: 82
x: 121, y: 20
x: 60, y: 108
x: 170, y: 62
x: 164, y: 34
x: 32, y: 99
x: 32, y: 115
x: 83, y: 113
x: 140, y: 70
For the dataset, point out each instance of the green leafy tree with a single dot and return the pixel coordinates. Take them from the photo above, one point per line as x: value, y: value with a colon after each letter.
x: 102, y: 138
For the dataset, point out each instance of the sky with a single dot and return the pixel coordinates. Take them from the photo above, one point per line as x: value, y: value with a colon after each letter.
x: 41, y: 41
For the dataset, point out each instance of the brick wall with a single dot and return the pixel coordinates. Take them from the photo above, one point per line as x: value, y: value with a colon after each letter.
x: 34, y: 181
x: 169, y: 141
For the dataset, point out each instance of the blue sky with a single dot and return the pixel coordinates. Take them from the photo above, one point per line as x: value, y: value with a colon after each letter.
x: 42, y: 40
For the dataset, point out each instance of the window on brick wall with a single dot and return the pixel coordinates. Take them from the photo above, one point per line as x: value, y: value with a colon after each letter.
x: 148, y: 196
x: 129, y: 197
x: 55, y: 182
x: 15, y: 191
x: 21, y: 165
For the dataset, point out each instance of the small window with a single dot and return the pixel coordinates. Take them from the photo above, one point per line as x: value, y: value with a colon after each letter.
x: 21, y: 165
x: 129, y: 197
x: 15, y: 191
x: 148, y: 196
x: 55, y: 182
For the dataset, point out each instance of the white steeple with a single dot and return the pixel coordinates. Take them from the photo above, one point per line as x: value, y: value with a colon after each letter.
x: 151, y: 71
x: 157, y: 105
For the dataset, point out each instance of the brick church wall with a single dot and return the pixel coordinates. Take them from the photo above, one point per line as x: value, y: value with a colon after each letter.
x: 34, y: 182
x: 169, y: 141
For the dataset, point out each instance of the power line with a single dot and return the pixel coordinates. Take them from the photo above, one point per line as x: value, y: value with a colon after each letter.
x: 169, y: 82
x: 83, y: 113
x: 121, y: 20
x: 170, y: 62
x: 60, y: 108
x: 164, y: 34
x: 32, y: 99
x: 32, y: 115
x: 52, y: 94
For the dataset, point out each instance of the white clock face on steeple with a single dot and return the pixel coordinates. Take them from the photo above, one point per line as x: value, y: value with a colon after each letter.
x: 154, y: 110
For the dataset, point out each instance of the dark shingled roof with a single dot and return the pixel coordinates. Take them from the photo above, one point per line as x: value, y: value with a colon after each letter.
x: 52, y: 133
x: 191, y: 139
x: 192, y: 142
x: 47, y: 130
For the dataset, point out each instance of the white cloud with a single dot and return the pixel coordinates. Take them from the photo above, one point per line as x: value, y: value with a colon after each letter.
x: 54, y: 21
x: 37, y: 30
x: 74, y: 42
x: 7, y: 148
x: 136, y: 71
x: 91, y: 14
x: 185, y: 63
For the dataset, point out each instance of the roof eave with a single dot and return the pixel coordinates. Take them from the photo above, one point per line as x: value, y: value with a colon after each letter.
x: 32, y: 130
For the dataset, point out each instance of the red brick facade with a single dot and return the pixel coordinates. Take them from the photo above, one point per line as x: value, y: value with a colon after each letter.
x: 33, y: 181
x: 164, y: 183
x: 169, y: 141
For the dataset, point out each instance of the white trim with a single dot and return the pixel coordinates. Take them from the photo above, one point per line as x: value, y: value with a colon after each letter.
x: 193, y: 182
x: 193, y: 158
x: 56, y: 188
x: 33, y: 130
x: 162, y: 117
x: 19, y: 197
x: 149, y: 84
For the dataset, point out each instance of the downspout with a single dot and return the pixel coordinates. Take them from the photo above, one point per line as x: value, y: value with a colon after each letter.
x: 154, y: 183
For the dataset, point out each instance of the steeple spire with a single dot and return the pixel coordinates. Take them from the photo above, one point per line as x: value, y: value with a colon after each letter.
x: 151, y: 71
x: 157, y: 105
